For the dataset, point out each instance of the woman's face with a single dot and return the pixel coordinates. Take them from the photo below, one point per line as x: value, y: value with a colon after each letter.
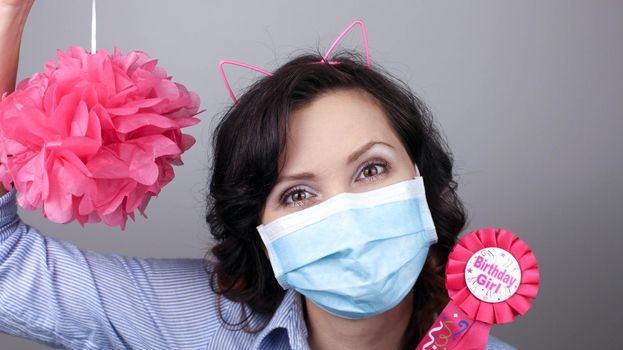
x: 341, y: 142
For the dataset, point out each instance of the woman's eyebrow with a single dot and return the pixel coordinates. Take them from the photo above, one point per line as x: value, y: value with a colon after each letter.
x: 300, y: 176
x: 353, y: 157
x: 363, y: 149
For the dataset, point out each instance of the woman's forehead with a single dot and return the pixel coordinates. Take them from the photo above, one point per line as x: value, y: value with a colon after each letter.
x: 333, y: 126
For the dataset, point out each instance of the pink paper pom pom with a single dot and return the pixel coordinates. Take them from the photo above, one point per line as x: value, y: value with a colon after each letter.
x: 93, y: 137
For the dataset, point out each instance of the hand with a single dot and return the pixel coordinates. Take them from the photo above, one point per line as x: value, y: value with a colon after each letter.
x: 16, y: 3
x: 14, y: 13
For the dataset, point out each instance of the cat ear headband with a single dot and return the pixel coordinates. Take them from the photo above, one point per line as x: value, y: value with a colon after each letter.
x: 325, y: 57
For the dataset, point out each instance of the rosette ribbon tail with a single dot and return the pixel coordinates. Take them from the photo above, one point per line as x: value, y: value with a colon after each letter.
x: 454, y: 329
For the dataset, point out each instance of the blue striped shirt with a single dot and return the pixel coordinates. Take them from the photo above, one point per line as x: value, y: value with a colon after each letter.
x: 54, y: 293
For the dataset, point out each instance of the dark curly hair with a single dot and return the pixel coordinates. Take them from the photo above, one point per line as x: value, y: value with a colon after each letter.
x: 248, y: 142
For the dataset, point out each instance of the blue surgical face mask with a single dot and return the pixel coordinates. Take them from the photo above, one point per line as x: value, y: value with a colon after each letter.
x: 354, y: 255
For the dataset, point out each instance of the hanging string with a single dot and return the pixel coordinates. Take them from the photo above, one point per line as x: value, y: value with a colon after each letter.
x: 93, y: 27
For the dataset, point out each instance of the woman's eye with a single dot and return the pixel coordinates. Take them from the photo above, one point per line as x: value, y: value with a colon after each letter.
x: 372, y: 170
x: 298, y: 196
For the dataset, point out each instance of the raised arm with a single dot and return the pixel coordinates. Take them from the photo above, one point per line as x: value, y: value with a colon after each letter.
x: 57, y: 294
x: 13, y: 15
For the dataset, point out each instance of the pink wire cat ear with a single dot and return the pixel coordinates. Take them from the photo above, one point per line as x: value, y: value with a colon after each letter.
x: 324, y: 58
x: 236, y: 63
x: 339, y: 38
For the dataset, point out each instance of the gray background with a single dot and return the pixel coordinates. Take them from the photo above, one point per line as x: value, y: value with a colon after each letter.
x: 528, y: 93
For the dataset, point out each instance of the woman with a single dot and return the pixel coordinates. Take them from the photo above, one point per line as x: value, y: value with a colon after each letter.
x: 299, y: 139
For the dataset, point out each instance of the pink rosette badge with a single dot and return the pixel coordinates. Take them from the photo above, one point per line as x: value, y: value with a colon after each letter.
x: 491, y: 277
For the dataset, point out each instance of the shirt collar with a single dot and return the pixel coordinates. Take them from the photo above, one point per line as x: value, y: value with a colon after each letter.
x: 289, y: 316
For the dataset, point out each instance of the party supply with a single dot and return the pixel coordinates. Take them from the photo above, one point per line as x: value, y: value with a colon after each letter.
x: 491, y: 277
x: 325, y: 57
x: 356, y: 254
x: 94, y: 136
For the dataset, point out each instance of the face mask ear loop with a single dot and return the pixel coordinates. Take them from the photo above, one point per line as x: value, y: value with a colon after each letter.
x: 417, y: 171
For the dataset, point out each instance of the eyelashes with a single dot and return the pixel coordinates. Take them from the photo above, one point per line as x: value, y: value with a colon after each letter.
x: 380, y: 168
x: 286, y: 196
